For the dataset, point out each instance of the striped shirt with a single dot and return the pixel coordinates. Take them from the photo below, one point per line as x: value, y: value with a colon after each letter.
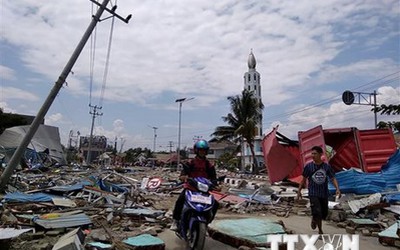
x: 317, y: 176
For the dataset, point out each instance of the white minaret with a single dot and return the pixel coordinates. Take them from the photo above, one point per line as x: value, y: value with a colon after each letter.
x: 252, y: 83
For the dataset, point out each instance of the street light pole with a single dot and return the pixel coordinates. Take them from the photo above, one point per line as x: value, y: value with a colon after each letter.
x: 155, y: 136
x: 181, y: 100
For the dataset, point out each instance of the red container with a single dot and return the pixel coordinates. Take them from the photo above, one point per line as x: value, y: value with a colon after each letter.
x: 364, y: 149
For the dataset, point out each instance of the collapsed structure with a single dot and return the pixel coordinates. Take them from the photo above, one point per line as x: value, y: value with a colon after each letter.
x: 344, y: 148
x: 44, y: 146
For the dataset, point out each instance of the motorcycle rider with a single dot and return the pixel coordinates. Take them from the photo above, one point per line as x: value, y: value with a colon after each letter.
x: 200, y: 166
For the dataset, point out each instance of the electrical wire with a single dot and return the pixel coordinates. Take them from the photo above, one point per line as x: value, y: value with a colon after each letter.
x: 107, y: 62
x: 92, y: 56
x: 332, y: 99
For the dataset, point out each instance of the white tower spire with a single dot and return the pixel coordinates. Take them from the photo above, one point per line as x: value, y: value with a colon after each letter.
x: 252, y: 83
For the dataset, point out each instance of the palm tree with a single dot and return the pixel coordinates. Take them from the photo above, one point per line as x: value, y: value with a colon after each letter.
x: 246, y: 113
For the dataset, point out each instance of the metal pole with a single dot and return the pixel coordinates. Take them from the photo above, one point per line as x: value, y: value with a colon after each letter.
x: 376, y: 115
x: 155, y: 137
x: 179, y: 136
x: 49, y: 100
x: 181, y: 100
x: 89, y: 153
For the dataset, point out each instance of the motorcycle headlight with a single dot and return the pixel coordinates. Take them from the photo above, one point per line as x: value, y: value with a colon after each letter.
x: 202, y: 187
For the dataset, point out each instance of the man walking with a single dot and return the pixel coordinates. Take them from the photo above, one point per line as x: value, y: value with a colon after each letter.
x: 317, y: 172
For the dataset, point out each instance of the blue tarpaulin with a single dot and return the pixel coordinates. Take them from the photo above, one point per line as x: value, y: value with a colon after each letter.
x: 22, y: 197
x: 352, y: 181
x: 392, y: 198
x: 107, y: 186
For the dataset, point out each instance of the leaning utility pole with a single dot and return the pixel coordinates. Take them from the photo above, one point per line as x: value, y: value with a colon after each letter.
x: 15, y: 159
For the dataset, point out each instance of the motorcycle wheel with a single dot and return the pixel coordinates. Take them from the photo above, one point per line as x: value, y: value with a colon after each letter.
x: 198, y: 236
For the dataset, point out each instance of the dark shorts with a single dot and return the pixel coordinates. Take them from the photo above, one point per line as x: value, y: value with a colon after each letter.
x: 319, y: 207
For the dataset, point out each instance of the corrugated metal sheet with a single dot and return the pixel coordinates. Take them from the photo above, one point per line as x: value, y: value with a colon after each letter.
x: 365, y: 149
x: 295, y: 151
x: 391, y: 171
x: 346, y: 155
x: 352, y: 181
x: 376, y: 146
x: 280, y: 162
x: 309, y: 139
x: 22, y: 197
x: 74, y: 220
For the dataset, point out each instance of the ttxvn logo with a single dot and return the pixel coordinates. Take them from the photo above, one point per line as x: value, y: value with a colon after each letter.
x: 328, y: 242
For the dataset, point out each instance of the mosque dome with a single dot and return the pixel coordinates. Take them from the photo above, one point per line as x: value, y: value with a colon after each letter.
x: 251, y: 62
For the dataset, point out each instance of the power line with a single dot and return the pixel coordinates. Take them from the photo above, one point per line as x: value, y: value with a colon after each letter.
x: 377, y: 80
x: 107, y: 62
x: 332, y: 99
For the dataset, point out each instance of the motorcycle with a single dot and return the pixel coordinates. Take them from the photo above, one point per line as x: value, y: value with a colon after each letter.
x: 197, y: 212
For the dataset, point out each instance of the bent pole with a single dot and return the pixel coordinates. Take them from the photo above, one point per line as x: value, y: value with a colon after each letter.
x: 15, y: 159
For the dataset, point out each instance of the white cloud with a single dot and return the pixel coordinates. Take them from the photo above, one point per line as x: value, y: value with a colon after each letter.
x: 9, y: 93
x: 198, y: 54
x: 7, y: 73
x: 174, y: 49
x: 369, y: 68
x: 4, y: 106
x: 54, y: 119
x: 388, y: 95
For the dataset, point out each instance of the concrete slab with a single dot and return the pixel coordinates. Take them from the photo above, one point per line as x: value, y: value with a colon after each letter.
x: 363, y: 222
x: 389, y: 236
x: 251, y: 232
x: 145, y: 241
x: 71, y: 241
x: 9, y: 233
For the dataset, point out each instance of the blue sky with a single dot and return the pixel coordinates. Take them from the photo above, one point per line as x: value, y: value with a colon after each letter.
x: 307, y: 53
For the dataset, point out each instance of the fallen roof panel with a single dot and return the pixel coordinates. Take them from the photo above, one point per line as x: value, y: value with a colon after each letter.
x: 64, y: 221
x: 249, y: 231
x: 8, y: 233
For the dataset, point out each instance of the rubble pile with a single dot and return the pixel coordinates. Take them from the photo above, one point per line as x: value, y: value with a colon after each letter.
x: 109, y: 208
x: 75, y: 207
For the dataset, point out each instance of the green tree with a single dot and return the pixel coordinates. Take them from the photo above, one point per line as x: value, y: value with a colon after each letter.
x: 132, y: 154
x: 391, y: 109
x: 228, y: 160
x: 246, y: 112
x: 395, y: 126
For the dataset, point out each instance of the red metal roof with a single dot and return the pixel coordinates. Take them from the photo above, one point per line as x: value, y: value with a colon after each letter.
x: 376, y: 146
x: 280, y: 162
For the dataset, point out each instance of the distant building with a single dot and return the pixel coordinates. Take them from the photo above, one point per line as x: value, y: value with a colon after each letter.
x: 216, y: 150
x: 98, y: 147
x: 8, y: 120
